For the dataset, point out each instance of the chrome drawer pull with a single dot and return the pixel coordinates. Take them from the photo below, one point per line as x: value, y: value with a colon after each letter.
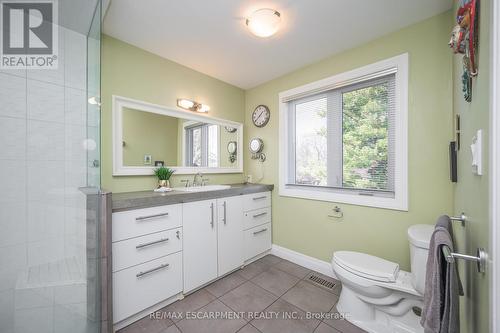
x: 152, y: 270
x: 259, y: 215
x: 141, y: 246
x: 258, y: 198
x: 142, y: 218
x: 225, y: 213
x: 212, y: 215
x: 260, y: 231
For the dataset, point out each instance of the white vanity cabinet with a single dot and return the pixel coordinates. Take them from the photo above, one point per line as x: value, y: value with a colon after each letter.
x: 229, y: 234
x: 200, y: 243
x: 160, y: 253
x: 213, y: 238
x: 147, y: 258
x: 257, y: 224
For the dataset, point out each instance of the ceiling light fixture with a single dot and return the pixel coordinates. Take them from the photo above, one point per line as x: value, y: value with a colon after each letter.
x: 264, y: 22
x: 192, y: 105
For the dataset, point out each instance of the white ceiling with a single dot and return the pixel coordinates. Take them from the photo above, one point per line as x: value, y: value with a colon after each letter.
x: 210, y: 36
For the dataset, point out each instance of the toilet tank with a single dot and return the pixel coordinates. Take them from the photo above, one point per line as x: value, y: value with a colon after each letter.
x: 419, y: 236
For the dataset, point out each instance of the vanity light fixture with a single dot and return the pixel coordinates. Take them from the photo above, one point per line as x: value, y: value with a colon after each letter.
x: 192, y: 105
x: 264, y: 22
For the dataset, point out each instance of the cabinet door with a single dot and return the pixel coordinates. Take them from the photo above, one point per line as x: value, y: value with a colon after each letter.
x: 200, y: 243
x: 230, y: 233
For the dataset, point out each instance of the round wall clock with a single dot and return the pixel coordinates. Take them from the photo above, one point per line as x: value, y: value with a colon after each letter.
x: 261, y: 115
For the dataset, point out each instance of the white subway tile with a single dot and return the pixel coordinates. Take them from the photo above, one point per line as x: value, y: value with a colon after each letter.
x: 7, y: 311
x: 73, y: 318
x: 45, y: 220
x: 45, y: 251
x: 75, y: 247
x: 75, y: 106
x: 14, y: 72
x: 75, y: 138
x: 12, y: 223
x: 55, y: 76
x: 12, y: 138
x: 45, y: 101
x: 45, y: 141
x: 13, y: 96
x: 13, y: 179
x: 76, y: 59
x: 13, y: 258
x: 34, y: 320
x: 34, y: 298
x: 46, y: 181
x: 75, y: 175
x: 70, y: 294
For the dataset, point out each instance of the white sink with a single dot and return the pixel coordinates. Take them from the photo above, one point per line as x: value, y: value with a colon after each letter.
x: 205, y: 188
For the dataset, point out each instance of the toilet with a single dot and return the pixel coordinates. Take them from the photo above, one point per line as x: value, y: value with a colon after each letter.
x: 379, y: 297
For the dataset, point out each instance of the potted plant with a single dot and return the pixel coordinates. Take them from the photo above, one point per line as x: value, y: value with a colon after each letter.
x: 164, y: 174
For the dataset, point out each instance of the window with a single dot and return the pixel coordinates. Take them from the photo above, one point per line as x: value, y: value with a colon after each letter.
x: 343, y: 139
x: 202, y: 145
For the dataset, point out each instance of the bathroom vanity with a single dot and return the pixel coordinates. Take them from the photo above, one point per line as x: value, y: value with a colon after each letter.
x: 167, y: 245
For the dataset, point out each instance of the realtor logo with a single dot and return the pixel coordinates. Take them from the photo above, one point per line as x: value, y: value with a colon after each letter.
x: 29, y: 34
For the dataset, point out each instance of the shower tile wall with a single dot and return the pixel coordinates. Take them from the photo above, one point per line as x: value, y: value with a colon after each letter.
x: 43, y: 125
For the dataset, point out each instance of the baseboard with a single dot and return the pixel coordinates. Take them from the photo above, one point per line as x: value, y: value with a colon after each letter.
x: 311, y: 263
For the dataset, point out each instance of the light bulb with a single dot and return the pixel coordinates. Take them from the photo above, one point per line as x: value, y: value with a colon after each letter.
x: 185, y: 103
x: 203, y: 108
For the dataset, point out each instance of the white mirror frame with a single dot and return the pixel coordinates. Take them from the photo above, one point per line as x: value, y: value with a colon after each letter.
x: 119, y: 169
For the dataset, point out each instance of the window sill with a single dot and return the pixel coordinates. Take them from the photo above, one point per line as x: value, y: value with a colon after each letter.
x: 397, y: 203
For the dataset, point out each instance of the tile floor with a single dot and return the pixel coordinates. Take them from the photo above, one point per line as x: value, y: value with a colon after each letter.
x: 270, y: 295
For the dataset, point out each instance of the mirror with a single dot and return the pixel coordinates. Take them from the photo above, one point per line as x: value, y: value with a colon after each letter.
x: 147, y: 136
x: 256, y: 145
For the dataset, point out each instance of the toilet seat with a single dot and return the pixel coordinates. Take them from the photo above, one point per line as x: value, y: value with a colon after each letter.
x: 367, y: 266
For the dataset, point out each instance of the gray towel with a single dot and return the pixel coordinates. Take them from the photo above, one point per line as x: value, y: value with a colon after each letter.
x: 442, y: 284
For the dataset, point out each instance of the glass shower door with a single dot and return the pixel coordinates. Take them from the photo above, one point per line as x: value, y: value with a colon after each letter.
x: 50, y: 208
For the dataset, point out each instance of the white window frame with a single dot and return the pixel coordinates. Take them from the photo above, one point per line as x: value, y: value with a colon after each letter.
x: 205, y: 149
x: 397, y: 65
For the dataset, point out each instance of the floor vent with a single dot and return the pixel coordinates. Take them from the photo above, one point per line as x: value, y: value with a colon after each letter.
x: 321, y: 281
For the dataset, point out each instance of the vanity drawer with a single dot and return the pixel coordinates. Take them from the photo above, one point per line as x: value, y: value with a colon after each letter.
x: 140, y: 287
x: 145, y: 221
x: 257, y: 240
x: 256, y: 217
x: 256, y: 201
x: 138, y: 250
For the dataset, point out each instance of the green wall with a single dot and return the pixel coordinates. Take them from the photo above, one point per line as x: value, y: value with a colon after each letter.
x: 152, y: 134
x: 471, y: 193
x: 135, y: 73
x: 303, y: 225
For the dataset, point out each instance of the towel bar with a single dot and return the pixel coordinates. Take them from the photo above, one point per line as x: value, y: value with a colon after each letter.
x: 480, y: 258
x: 462, y: 218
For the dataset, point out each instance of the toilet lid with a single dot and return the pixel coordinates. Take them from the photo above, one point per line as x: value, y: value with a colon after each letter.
x: 367, y: 266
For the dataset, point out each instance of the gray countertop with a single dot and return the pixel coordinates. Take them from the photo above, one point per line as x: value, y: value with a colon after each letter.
x: 144, y: 199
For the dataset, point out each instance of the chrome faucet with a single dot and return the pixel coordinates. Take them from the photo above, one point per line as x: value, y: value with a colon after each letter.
x: 198, y: 179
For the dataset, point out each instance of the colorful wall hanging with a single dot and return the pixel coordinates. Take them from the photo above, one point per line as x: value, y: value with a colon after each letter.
x: 464, y: 40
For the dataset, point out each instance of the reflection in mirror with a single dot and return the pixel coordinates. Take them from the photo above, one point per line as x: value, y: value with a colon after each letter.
x: 149, y: 134
x: 154, y: 138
